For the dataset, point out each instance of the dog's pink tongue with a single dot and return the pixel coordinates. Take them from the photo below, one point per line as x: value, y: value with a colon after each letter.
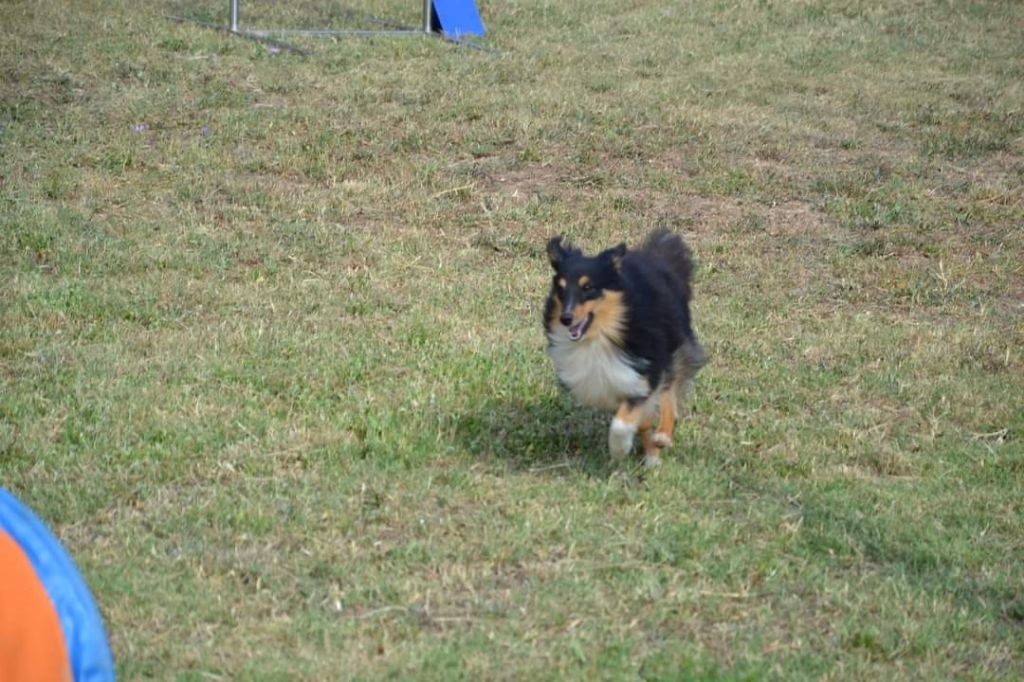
x: 576, y: 331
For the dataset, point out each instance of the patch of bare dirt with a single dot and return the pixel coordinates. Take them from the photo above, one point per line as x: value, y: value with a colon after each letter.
x: 522, y: 184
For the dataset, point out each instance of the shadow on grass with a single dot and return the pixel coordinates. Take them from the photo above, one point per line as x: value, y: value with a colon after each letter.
x: 549, y: 434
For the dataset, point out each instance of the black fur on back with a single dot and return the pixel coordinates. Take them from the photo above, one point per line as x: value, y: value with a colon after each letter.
x: 656, y: 281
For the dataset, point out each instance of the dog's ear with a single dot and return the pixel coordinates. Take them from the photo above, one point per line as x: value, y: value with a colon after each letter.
x: 616, y: 255
x: 555, y: 251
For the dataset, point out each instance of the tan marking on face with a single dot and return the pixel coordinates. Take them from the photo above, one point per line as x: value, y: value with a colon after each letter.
x: 561, y: 282
x: 609, y: 316
x: 584, y: 281
x: 582, y: 310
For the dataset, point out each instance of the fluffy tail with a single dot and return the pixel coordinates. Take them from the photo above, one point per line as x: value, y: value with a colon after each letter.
x: 670, y: 249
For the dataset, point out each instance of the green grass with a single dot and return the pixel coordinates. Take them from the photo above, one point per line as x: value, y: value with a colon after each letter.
x: 271, y: 362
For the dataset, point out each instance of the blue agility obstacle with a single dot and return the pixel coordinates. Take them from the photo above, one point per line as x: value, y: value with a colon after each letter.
x: 457, y: 18
x: 452, y: 20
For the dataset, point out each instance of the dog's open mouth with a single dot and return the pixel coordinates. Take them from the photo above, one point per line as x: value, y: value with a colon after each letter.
x: 578, y: 329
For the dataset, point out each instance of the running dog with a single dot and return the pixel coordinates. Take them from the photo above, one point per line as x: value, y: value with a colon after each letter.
x: 619, y: 334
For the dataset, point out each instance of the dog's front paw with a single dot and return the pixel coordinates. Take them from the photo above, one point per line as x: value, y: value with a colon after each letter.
x: 620, y: 438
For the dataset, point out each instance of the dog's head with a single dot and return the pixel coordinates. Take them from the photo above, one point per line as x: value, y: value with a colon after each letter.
x: 586, y: 292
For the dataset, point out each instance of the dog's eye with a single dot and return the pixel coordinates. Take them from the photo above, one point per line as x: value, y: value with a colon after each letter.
x: 587, y: 287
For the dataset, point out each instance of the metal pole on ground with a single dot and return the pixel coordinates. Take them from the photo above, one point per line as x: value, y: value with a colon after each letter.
x: 427, y: 27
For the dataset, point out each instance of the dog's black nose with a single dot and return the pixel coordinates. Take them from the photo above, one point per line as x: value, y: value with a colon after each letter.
x: 566, y: 319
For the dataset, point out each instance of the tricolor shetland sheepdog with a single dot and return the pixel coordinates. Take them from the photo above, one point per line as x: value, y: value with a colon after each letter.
x: 619, y: 333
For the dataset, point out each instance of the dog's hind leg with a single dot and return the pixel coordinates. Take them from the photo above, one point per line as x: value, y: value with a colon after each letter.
x: 688, y: 360
x: 652, y: 451
x: 650, y: 427
x: 667, y: 421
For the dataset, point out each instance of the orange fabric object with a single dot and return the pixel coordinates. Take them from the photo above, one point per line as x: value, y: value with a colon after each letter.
x: 31, y: 639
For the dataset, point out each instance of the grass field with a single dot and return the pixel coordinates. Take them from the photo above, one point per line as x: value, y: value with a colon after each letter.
x: 272, y: 368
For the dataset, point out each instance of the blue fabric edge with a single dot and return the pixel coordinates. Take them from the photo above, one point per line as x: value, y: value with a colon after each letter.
x: 84, y: 636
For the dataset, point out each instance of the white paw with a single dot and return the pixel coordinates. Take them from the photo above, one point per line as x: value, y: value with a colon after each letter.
x: 620, y: 438
x: 651, y: 461
x: 662, y: 440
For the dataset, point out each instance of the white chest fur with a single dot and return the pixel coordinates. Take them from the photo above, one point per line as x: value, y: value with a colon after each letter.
x: 595, y: 370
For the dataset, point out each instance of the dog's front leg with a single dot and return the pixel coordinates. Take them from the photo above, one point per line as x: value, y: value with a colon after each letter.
x: 623, y: 429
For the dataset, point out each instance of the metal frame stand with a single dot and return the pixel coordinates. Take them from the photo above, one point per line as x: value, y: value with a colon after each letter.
x: 428, y: 27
